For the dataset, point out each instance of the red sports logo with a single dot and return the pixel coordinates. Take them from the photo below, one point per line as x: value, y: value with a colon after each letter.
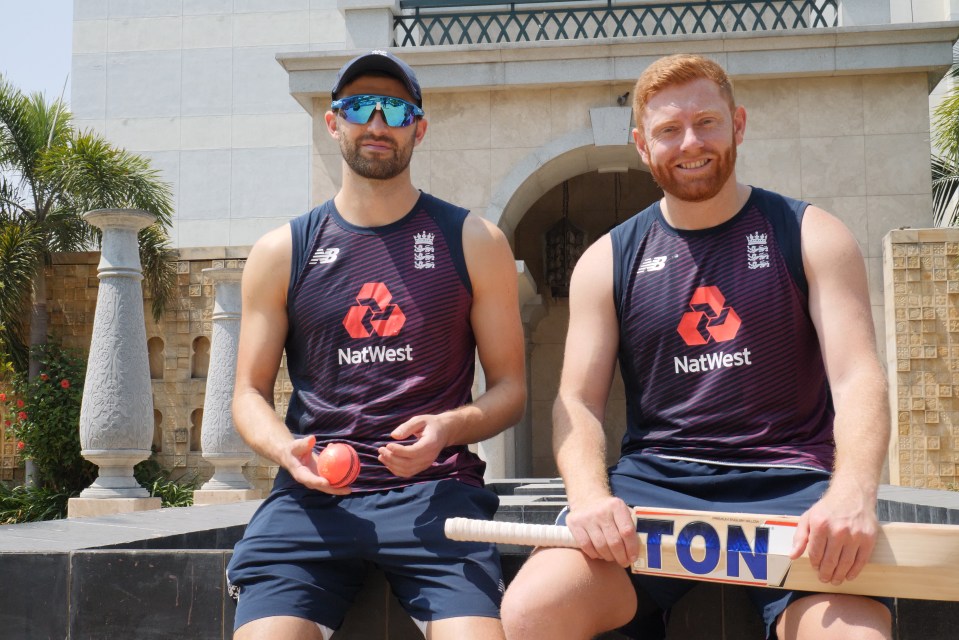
x: 373, y: 314
x: 709, y: 319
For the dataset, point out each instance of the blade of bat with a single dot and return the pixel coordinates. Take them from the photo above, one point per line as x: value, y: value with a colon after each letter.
x: 910, y: 560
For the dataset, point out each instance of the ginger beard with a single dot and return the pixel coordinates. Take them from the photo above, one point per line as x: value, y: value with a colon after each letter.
x: 377, y: 168
x: 671, y: 180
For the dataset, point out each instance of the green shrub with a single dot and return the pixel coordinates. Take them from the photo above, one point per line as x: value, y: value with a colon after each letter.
x: 44, y: 415
x: 156, y: 480
x: 32, y: 504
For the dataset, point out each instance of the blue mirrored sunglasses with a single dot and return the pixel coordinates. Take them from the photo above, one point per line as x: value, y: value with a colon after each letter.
x: 359, y: 109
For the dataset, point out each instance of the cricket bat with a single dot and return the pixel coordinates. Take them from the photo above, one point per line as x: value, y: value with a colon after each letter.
x: 918, y: 561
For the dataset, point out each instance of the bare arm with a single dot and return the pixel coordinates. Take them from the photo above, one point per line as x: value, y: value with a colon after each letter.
x: 499, y: 339
x: 263, y: 327
x: 841, y: 528
x: 600, y: 523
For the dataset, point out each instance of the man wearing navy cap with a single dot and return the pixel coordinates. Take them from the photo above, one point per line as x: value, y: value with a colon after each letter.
x: 381, y: 297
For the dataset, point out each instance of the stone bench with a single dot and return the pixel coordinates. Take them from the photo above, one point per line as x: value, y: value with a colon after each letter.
x: 161, y: 574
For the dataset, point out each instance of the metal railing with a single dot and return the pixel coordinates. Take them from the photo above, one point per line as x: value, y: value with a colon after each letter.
x: 433, y: 22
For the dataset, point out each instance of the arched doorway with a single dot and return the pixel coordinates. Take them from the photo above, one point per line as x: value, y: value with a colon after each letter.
x: 595, y: 202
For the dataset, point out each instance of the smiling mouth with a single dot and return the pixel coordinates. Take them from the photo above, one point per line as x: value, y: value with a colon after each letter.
x: 693, y: 165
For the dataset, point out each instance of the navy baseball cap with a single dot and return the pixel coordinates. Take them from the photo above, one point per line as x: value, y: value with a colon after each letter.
x: 384, y: 62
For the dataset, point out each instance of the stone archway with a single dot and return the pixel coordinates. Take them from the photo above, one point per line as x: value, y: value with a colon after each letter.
x: 607, y: 184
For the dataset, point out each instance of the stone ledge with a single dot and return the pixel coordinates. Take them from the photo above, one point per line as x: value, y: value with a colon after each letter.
x: 109, y: 576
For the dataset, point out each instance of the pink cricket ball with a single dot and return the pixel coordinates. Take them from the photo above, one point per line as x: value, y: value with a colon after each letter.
x: 339, y: 464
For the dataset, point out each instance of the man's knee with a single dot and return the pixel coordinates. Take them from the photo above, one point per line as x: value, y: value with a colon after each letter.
x: 835, y: 617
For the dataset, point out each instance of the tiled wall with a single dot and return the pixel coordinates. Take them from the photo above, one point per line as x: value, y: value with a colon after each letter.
x: 922, y: 333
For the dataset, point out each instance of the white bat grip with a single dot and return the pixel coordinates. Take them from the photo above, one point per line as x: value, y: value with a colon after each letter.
x: 531, y: 535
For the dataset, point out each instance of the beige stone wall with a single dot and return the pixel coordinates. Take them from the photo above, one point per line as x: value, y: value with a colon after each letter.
x: 10, y: 470
x: 856, y: 146
x: 922, y: 318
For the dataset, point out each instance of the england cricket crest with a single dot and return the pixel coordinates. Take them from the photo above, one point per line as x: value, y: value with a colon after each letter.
x: 423, y: 251
x: 757, y: 252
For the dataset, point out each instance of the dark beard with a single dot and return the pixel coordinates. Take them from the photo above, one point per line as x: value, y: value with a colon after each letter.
x: 700, y: 189
x: 379, y: 169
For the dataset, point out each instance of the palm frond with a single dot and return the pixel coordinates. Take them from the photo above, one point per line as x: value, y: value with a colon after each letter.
x: 21, y: 255
x: 29, y: 127
x: 945, y: 124
x: 67, y: 231
x: 945, y: 187
x: 12, y: 204
x: 14, y: 127
x: 159, y: 267
x: 96, y: 175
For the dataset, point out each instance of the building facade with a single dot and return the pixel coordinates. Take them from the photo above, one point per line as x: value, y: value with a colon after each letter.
x: 526, y: 126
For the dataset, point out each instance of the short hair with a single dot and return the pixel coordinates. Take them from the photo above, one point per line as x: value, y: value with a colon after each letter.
x: 675, y: 70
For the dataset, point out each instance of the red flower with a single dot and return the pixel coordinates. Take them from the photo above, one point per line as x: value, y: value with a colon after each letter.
x: 22, y: 415
x: 65, y: 383
x: 20, y: 445
x: 44, y: 377
x: 19, y: 404
x: 6, y: 423
x: 3, y: 397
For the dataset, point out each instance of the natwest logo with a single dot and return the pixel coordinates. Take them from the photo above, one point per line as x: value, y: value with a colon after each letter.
x: 373, y: 314
x: 708, y: 319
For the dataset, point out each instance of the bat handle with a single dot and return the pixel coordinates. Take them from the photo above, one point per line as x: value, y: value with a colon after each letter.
x: 518, y: 533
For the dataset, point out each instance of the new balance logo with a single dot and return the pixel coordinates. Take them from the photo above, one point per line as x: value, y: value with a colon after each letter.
x: 324, y: 256
x: 651, y: 264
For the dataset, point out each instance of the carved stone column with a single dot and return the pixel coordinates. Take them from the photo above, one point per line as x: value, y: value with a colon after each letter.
x: 222, y: 445
x: 116, y: 414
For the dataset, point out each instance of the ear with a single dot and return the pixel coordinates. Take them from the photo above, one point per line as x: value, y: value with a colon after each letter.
x: 330, y: 118
x: 739, y: 124
x: 640, y: 140
x: 421, y: 127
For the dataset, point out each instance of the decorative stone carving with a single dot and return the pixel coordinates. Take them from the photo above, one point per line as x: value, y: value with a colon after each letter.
x: 116, y: 415
x: 222, y: 445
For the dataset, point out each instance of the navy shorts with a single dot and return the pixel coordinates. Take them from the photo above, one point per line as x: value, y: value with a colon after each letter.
x: 306, y: 554
x: 652, y: 481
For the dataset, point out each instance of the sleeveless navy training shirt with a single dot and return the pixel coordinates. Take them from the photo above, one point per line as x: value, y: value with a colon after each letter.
x: 718, y: 353
x: 379, y: 332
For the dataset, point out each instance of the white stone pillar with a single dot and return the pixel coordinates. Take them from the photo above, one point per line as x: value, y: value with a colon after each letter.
x: 369, y: 23
x: 222, y: 445
x: 116, y: 413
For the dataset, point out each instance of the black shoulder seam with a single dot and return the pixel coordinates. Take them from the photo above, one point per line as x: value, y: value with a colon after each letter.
x: 450, y: 218
x: 785, y: 215
x: 303, y: 230
x: 626, y: 238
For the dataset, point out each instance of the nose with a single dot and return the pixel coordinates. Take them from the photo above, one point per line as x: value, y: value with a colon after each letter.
x: 377, y: 119
x: 690, y: 139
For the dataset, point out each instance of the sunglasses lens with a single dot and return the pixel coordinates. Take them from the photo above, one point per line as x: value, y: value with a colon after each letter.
x: 356, y: 111
x: 397, y: 113
x: 359, y: 109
